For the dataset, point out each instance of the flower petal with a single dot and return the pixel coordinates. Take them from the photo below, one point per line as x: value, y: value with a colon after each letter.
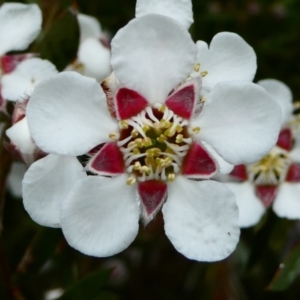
x: 282, y: 94
x: 95, y: 59
x: 15, y: 177
x: 201, y: 219
x: 25, y: 77
x: 19, y: 25
x: 89, y: 27
x: 287, y: 202
x: 100, y: 216
x: 294, y: 154
x: 250, y: 207
x: 240, y: 121
x: 20, y: 137
x: 180, y: 10
x: 45, y: 185
x: 67, y: 114
x: 229, y: 57
x: 151, y: 55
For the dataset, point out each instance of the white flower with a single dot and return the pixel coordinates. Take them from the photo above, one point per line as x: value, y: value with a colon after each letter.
x: 19, y: 26
x: 93, y: 57
x: 275, y: 179
x: 157, y: 139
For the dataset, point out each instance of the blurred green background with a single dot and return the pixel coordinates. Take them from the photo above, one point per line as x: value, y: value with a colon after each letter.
x: 266, y: 264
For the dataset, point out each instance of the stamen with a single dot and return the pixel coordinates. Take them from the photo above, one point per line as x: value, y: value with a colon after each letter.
x: 114, y: 136
x: 131, y: 180
x: 151, y: 115
x: 125, y: 141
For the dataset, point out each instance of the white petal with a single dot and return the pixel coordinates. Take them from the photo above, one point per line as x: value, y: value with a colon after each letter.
x: 224, y: 166
x: 287, y: 201
x: 180, y: 10
x: 250, y: 207
x: 89, y: 27
x: 229, y: 58
x: 20, y: 137
x: 15, y: 177
x: 201, y: 219
x: 294, y: 154
x: 46, y: 184
x: 25, y: 77
x: 19, y: 25
x: 67, y: 114
x: 95, y: 58
x: 100, y: 216
x: 282, y: 94
x: 240, y: 121
x: 151, y: 55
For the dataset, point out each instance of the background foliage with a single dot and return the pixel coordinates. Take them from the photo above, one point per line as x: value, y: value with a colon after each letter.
x: 266, y: 264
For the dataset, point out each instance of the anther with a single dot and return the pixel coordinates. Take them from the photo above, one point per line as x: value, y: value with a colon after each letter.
x: 114, y: 136
x: 171, y: 177
x: 131, y: 180
x: 197, y: 67
x: 204, y: 73
x: 123, y: 124
x: 179, y: 138
x: 196, y: 130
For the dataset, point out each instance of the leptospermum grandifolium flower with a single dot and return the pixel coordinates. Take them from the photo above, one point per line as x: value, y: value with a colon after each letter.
x: 93, y: 57
x: 150, y: 144
x: 19, y: 26
x: 273, y: 180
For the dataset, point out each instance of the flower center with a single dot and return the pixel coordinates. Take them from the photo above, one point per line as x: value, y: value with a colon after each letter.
x: 154, y: 144
x: 271, y: 170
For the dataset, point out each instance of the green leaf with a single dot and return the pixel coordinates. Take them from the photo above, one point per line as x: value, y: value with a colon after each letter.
x: 288, y: 270
x: 59, y: 44
x: 89, y: 288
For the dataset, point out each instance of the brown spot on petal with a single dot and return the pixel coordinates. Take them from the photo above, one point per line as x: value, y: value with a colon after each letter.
x: 266, y: 193
x: 285, y: 139
x: 293, y: 174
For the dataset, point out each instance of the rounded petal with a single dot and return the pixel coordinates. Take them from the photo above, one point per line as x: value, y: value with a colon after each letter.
x: 294, y: 154
x: 95, y: 59
x: 15, y: 177
x: 25, y: 77
x: 67, y: 114
x: 180, y: 10
x: 89, y: 27
x: 287, y: 201
x: 201, y: 219
x: 20, y: 137
x: 251, y: 209
x: 240, y: 120
x: 229, y: 57
x: 282, y: 94
x: 46, y: 184
x: 151, y: 55
x: 100, y: 215
x: 20, y: 24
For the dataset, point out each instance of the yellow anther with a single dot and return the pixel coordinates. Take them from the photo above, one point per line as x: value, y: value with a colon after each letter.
x: 162, y: 138
x: 169, y: 132
x: 179, y: 138
x: 134, y: 133
x: 124, y: 124
x: 204, y: 73
x: 145, y: 169
x: 196, y: 130
x: 132, y: 143
x: 179, y: 128
x: 197, y: 67
x: 145, y: 128
x: 162, y: 108
x: 139, y: 142
x: 137, y: 165
x: 131, y: 180
x: 203, y: 99
x: 113, y: 136
x: 147, y: 142
x: 136, y: 151
x: 171, y: 177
